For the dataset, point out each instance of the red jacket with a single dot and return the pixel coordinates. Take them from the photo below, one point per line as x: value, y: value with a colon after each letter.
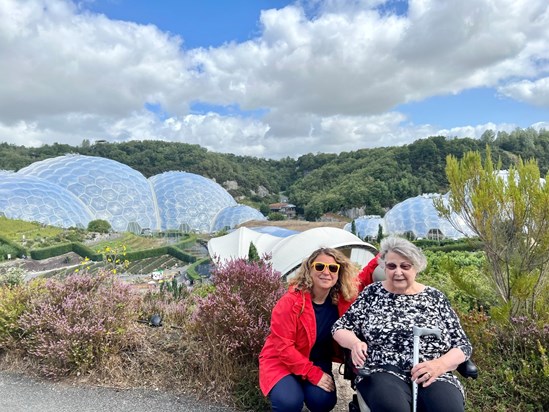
x: 288, y: 346
x: 365, y: 277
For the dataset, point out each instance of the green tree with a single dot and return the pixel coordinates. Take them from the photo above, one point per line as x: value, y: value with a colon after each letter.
x: 511, y: 217
x: 276, y: 216
x: 379, y: 234
x: 253, y: 256
x: 99, y: 225
x: 264, y: 208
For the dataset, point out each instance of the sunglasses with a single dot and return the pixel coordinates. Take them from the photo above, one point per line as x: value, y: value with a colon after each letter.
x: 403, y: 266
x: 321, y: 266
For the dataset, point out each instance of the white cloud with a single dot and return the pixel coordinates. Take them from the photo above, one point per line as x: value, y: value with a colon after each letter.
x: 533, y: 92
x: 327, y: 83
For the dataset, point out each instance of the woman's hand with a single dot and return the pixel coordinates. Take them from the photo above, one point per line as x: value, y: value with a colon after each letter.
x: 358, y: 353
x: 326, y: 383
x: 427, y: 372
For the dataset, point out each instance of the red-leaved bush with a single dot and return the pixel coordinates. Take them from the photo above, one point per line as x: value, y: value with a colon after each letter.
x: 237, y: 315
x: 75, y: 322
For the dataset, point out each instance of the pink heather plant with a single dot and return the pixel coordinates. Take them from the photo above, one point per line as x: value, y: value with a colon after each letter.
x: 76, y: 322
x: 236, y: 316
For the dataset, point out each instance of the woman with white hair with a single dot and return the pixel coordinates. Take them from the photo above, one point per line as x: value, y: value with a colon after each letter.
x: 378, y: 329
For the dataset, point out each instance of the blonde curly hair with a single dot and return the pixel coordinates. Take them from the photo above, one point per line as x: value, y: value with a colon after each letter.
x: 346, y: 284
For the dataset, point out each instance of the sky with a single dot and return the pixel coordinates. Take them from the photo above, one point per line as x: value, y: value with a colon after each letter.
x: 271, y: 78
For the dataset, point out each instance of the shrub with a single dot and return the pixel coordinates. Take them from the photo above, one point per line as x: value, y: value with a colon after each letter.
x: 14, y: 301
x: 99, y: 225
x: 76, y: 323
x: 232, y: 324
x: 7, y: 250
x: 170, y: 300
x: 275, y: 216
x: 237, y: 315
x: 512, y: 362
x: 11, y: 277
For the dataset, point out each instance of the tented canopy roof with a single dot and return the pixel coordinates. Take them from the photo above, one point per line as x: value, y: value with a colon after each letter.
x: 287, y: 253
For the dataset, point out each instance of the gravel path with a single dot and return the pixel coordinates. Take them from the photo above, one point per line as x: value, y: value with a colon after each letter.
x: 19, y: 393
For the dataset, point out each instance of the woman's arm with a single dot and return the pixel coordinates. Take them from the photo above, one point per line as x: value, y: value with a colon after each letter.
x: 460, y: 346
x: 348, y: 339
x: 284, y: 339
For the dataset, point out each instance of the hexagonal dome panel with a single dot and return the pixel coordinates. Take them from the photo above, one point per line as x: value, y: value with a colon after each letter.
x: 33, y: 199
x: 418, y: 215
x: 232, y: 216
x: 187, y: 198
x: 108, y: 188
x: 367, y: 227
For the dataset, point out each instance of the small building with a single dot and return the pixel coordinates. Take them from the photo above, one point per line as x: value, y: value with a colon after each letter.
x: 286, y: 209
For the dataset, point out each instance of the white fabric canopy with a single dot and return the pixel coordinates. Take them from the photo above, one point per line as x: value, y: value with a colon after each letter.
x: 287, y: 253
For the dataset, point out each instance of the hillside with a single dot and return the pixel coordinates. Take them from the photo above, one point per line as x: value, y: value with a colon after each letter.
x: 370, y: 181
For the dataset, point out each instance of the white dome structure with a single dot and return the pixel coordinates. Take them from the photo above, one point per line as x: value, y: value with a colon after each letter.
x: 32, y: 199
x: 418, y: 217
x: 110, y: 190
x: 72, y: 190
x: 366, y: 227
x: 186, y: 198
x: 232, y: 216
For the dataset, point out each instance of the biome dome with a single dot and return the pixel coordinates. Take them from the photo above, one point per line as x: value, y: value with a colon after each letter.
x: 32, y: 199
x: 366, y: 227
x: 419, y: 217
x: 111, y: 190
x: 232, y: 216
x: 188, y: 198
x: 72, y: 190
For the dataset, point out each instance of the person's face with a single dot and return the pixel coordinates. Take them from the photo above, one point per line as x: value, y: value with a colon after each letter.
x: 325, y: 272
x: 399, y: 272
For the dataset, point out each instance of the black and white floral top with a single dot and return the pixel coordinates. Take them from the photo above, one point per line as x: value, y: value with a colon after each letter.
x: 384, y: 320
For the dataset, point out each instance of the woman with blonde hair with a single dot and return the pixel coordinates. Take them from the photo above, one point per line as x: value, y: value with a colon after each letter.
x: 295, y: 364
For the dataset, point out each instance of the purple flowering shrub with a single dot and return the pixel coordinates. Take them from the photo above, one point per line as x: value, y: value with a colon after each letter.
x: 512, y: 360
x: 77, y: 322
x: 173, y: 309
x: 236, y: 316
x: 14, y: 301
x: 229, y: 327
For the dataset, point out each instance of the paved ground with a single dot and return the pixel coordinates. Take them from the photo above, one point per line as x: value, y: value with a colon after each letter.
x: 19, y: 393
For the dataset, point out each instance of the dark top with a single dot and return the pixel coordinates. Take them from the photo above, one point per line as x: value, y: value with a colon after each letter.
x: 326, y: 314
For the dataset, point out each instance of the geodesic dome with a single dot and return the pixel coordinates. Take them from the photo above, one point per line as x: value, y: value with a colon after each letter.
x: 418, y: 216
x: 232, y: 216
x: 187, y: 198
x: 32, y: 199
x: 110, y: 190
x: 366, y: 227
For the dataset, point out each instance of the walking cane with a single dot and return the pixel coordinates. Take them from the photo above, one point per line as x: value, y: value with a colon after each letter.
x: 417, y: 333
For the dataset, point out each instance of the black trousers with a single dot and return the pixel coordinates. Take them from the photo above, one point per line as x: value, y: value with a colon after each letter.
x: 383, y: 391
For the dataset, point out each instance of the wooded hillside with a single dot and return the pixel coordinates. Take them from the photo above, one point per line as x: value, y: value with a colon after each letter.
x: 372, y: 179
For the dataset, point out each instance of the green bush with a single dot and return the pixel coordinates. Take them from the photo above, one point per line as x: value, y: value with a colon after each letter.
x: 100, y: 226
x: 512, y: 362
x: 51, y: 251
x: 86, y: 252
x: 14, y: 301
x: 275, y: 216
x: 8, y: 246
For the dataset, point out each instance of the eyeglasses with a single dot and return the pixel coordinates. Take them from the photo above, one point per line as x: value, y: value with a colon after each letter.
x: 321, y: 266
x: 403, y: 266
